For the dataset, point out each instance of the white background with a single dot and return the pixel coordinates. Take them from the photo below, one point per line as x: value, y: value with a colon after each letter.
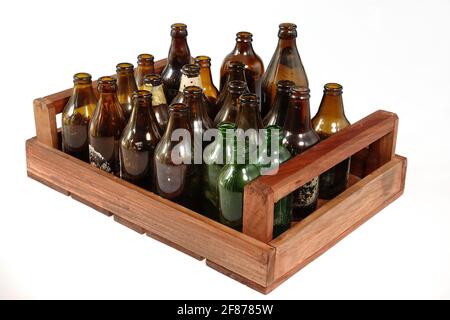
x: 393, y: 55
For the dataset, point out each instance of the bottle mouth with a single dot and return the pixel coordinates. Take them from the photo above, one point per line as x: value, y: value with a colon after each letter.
x: 153, y: 79
x: 107, y: 82
x: 192, y: 92
x: 249, y: 99
x: 142, y: 95
x: 178, y: 107
x: 124, y: 67
x: 237, y: 86
x: 285, y: 85
x: 82, y: 77
x: 203, y: 61
x: 332, y: 88
x: 145, y: 58
x: 191, y: 70
x: 244, y: 36
x: 287, y: 30
x: 301, y: 93
x: 178, y: 30
x: 236, y: 66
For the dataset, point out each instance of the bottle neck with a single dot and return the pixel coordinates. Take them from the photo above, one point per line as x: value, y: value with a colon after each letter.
x: 158, y: 97
x: 287, y: 43
x: 178, y: 120
x: 179, y: 53
x: 282, y: 102
x: 298, y: 118
x: 332, y: 105
x: 195, y: 105
x: 83, y: 88
x: 140, y: 116
x: 126, y: 82
x: 249, y: 117
x: 186, y: 82
x: 206, y: 77
x: 243, y: 48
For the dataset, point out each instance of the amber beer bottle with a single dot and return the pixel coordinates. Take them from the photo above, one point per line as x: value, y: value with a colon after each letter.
x: 229, y: 110
x: 248, y: 115
x: 236, y: 72
x: 126, y: 85
x: 145, y: 66
x: 300, y: 136
x: 243, y: 52
x: 209, y: 89
x: 138, y: 142
x: 153, y: 83
x: 285, y: 65
x: 277, y: 113
x: 330, y: 119
x: 106, y: 127
x: 76, y: 117
x: 179, y: 55
x: 190, y: 77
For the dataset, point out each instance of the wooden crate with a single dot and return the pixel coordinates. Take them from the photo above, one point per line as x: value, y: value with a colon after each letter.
x: 252, y: 257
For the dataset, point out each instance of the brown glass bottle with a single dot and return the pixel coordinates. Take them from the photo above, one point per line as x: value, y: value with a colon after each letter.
x: 190, y: 77
x: 243, y: 52
x: 126, y: 85
x: 193, y: 98
x: 179, y: 55
x: 236, y: 72
x: 330, y: 119
x: 153, y: 83
x: 277, y: 114
x: 209, y: 89
x: 176, y: 176
x: 300, y: 136
x: 249, y: 122
x: 106, y: 127
x: 285, y: 65
x: 76, y: 117
x: 145, y: 66
x: 229, y: 110
x: 138, y: 142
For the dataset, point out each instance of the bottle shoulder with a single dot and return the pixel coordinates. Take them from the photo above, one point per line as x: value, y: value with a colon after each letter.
x: 326, y: 125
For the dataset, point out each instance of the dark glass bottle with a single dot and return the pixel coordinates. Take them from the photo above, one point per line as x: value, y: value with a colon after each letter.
x: 285, y: 65
x: 216, y: 155
x: 330, y: 119
x: 236, y: 72
x: 179, y: 55
x: 145, y: 66
x: 277, y: 113
x: 176, y: 176
x: 190, y: 77
x: 153, y: 83
x: 138, y: 142
x: 76, y: 117
x: 126, y: 85
x: 209, y: 89
x: 232, y: 180
x: 243, y: 52
x: 300, y: 136
x: 273, y: 153
x: 106, y: 127
x: 229, y: 110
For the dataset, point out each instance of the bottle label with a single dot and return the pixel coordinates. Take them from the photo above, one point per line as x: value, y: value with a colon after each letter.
x: 186, y: 82
x: 308, y: 193
x: 97, y: 160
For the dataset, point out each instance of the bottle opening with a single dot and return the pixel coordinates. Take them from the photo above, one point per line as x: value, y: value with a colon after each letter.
x: 192, y: 91
x: 236, y: 66
x: 301, y: 93
x: 285, y: 85
x: 332, y: 88
x: 107, y: 84
x: 244, y: 36
x: 82, y: 77
x: 203, y: 61
x: 178, y: 26
x: 178, y: 30
x: 145, y: 57
x: 178, y: 107
x: 249, y: 99
x: 236, y: 86
x: 153, y: 79
x: 124, y: 66
x: 287, y: 30
x: 191, y: 70
x: 141, y: 94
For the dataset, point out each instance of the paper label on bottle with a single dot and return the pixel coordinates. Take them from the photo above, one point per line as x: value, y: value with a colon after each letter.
x: 308, y: 193
x: 186, y: 82
x: 97, y: 160
x: 158, y: 97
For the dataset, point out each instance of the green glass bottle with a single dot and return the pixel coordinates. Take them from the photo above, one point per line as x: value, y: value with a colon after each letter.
x: 215, y: 157
x: 232, y: 180
x: 272, y: 154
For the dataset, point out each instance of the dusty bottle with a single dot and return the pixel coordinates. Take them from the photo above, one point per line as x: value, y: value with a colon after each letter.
x: 243, y: 52
x: 272, y: 155
x: 145, y: 66
x: 153, y: 83
x: 106, y: 127
x: 176, y: 176
x: 236, y: 72
x: 126, y: 85
x: 209, y: 89
x: 330, y: 119
x: 285, y: 65
x: 232, y: 180
x: 179, y: 55
x: 216, y: 155
x: 229, y: 110
x: 190, y: 77
x: 76, y: 117
x: 300, y: 136
x: 277, y: 113
x: 138, y: 142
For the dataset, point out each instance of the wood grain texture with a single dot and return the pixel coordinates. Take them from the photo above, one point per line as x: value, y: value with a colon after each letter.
x: 45, y: 123
x: 338, y: 217
x: 233, y: 250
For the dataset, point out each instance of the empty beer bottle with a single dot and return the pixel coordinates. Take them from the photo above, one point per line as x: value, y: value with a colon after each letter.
x: 176, y: 176
x: 243, y: 52
x: 106, y: 127
x: 179, y: 55
x: 216, y: 155
x: 229, y: 110
x: 299, y: 136
x: 153, y: 83
x: 76, y: 117
x: 232, y: 180
x: 330, y: 119
x: 277, y: 113
x: 138, y: 142
x: 236, y: 72
x: 285, y: 65
x: 273, y: 153
x: 145, y: 66
x: 126, y: 85
x: 209, y: 89
x: 190, y: 77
